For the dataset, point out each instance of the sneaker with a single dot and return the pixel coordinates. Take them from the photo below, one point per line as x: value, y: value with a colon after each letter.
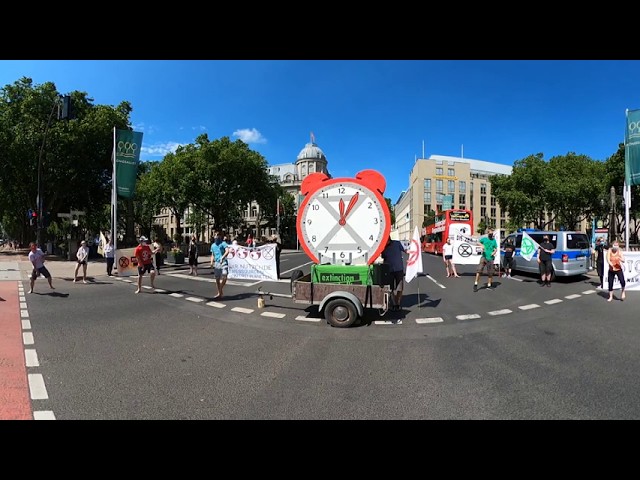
x: 509, y: 275
x: 548, y: 284
x: 475, y: 288
x: 30, y: 291
x: 490, y: 287
x: 137, y: 291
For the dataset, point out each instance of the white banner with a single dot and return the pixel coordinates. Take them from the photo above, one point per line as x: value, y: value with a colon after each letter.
x: 257, y: 263
x: 631, y: 268
x: 126, y: 262
x: 466, y: 250
x: 414, y: 262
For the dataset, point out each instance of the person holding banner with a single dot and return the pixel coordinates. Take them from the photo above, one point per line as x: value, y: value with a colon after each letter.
x: 545, y: 251
x: 219, y: 263
x: 615, y: 259
x: 489, y: 249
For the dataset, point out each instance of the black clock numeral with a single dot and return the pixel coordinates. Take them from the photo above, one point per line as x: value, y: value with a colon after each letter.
x: 342, y: 255
x: 325, y: 195
x: 371, y: 237
x: 341, y: 190
x: 370, y: 205
x: 359, y: 249
x: 309, y: 221
x: 375, y: 221
x: 313, y: 238
x: 315, y: 207
x: 326, y: 249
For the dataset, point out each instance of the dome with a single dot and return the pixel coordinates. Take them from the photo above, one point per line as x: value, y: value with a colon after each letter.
x: 311, y: 151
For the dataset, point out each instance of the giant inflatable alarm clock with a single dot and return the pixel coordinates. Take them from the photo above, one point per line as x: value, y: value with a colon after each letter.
x: 343, y: 221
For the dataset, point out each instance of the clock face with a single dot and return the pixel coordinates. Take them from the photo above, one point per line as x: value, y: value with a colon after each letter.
x: 343, y: 223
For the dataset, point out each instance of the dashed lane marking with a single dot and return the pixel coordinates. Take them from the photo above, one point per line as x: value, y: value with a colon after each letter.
x: 24, y: 313
x: 388, y: 322
x: 302, y: 318
x: 504, y: 311
x: 27, y: 338
x: 23, y: 305
x: 435, y: 281
x: 37, y: 388
x: 551, y: 302
x: 195, y: 299
x: 216, y: 304
x: 26, y: 325
x: 44, y: 415
x: 571, y: 297
x: 242, y: 310
x: 273, y: 314
x: 469, y: 316
x: 31, y: 358
x: 529, y: 307
x: 430, y: 320
x: 176, y: 295
x: 588, y: 292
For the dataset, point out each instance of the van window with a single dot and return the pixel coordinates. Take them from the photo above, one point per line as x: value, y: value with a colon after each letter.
x: 577, y: 240
x: 538, y: 238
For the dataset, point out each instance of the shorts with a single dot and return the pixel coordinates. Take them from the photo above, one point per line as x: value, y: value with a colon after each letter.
x: 485, y: 263
x: 220, y: 271
x: 193, y: 262
x: 546, y: 267
x: 448, y: 257
x: 82, y: 262
x: 42, y: 270
x: 397, y: 281
x: 146, y: 268
x: 508, y: 262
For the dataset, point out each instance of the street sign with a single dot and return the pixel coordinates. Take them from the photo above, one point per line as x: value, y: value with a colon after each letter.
x: 64, y: 215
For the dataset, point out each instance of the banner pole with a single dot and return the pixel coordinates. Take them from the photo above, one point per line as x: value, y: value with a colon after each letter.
x: 114, y: 198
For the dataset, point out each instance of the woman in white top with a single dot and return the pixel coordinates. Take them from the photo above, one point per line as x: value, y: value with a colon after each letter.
x: 447, y: 256
x: 82, y: 255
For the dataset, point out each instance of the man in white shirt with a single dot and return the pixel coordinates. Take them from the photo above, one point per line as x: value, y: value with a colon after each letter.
x: 36, y: 257
x: 82, y: 255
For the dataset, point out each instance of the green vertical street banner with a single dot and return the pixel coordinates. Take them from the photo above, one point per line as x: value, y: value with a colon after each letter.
x: 127, y: 148
x: 632, y: 148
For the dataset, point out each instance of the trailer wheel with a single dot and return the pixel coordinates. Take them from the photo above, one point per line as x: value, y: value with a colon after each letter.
x: 340, y: 313
x: 295, y: 275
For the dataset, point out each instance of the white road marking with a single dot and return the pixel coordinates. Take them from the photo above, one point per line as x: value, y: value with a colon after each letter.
x: 22, y: 298
x: 469, y: 316
x: 388, y: 322
x: 307, y: 319
x: 23, y: 305
x: 177, y: 295
x: 504, y: 311
x: 24, y: 313
x: 31, y: 358
x: 195, y: 299
x: 26, y: 325
x: 571, y: 297
x: 242, y: 310
x: 430, y: 320
x: 27, y: 338
x: 273, y: 314
x: 36, y: 387
x: 587, y: 292
x: 44, y: 415
x: 551, y: 302
x: 529, y: 307
x: 216, y: 304
x: 159, y: 290
x: 435, y: 281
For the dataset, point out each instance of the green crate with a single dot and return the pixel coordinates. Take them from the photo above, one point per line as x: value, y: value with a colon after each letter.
x: 342, y: 274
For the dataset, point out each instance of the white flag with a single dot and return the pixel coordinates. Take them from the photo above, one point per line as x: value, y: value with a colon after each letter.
x: 102, y: 244
x: 414, y: 262
x: 529, y: 247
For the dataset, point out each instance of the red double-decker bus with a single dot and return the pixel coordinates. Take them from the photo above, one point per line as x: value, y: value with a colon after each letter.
x: 446, y: 224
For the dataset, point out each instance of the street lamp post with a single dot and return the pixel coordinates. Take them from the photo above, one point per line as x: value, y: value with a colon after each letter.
x: 39, y: 199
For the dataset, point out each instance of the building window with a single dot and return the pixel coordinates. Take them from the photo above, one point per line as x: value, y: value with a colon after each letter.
x: 254, y: 211
x: 462, y: 207
x: 427, y: 197
x: 427, y: 208
x: 427, y: 184
x: 493, y: 212
x: 451, y: 172
x: 451, y: 186
x: 483, y: 188
x: 439, y: 207
x: 493, y: 201
x: 439, y: 171
x: 439, y: 183
x: 483, y: 200
x: 502, y: 213
x: 462, y: 198
x: 462, y: 186
x: 483, y: 212
x: 438, y: 197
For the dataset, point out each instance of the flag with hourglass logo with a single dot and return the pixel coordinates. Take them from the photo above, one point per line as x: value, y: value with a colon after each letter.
x: 127, y: 155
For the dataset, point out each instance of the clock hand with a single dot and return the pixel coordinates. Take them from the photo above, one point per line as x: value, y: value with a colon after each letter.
x: 352, y: 203
x: 342, y: 217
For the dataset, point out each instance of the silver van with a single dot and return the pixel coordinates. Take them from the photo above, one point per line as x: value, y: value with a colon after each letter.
x: 572, y: 252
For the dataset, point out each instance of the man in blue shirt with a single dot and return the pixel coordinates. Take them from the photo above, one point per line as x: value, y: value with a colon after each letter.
x: 489, y: 250
x: 219, y: 263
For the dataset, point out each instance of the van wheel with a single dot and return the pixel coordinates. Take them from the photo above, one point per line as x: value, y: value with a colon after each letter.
x: 295, y: 275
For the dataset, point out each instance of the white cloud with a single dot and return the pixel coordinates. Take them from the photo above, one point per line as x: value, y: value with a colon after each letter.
x: 249, y: 135
x: 141, y: 127
x: 160, y: 149
x: 202, y: 128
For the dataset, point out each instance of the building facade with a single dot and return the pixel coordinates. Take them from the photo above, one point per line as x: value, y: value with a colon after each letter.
x: 441, y: 182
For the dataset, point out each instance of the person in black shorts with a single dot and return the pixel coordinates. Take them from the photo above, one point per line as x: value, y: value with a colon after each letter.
x: 545, y: 251
x: 508, y: 249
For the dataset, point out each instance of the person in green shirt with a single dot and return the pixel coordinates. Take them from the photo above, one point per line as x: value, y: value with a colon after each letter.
x: 489, y: 251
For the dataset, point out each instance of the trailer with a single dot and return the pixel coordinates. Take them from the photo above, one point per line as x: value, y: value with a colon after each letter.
x: 342, y: 303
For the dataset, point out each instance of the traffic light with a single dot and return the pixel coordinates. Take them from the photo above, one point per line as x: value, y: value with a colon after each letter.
x: 34, y: 218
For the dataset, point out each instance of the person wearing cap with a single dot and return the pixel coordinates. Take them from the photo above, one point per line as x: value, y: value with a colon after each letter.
x: 144, y: 255
x: 81, y: 255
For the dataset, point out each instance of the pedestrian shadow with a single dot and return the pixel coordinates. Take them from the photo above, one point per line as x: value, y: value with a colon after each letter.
x: 52, y: 294
x: 421, y: 300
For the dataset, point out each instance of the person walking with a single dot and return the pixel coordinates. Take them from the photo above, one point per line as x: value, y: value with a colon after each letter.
x: 615, y: 259
x: 110, y: 255
x: 36, y: 257
x: 489, y: 250
x: 193, y: 256
x: 157, y: 250
x: 144, y: 256
x: 219, y: 263
x: 81, y: 255
x: 600, y: 255
x: 392, y: 256
x: 545, y: 252
x: 447, y: 257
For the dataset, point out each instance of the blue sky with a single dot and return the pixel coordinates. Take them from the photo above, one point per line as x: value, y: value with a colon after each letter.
x: 363, y: 113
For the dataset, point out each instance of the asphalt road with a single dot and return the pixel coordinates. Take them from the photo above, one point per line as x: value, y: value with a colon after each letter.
x: 520, y: 351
